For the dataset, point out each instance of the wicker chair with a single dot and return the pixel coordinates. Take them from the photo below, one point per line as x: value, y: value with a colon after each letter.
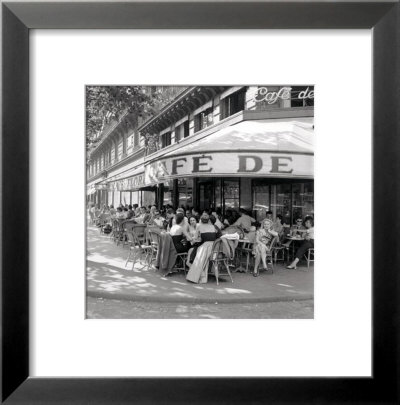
x: 309, y: 256
x: 218, y: 261
x: 137, y: 250
x: 154, y: 242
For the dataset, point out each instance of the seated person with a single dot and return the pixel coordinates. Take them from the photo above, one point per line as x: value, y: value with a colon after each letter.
x: 112, y: 211
x: 130, y: 214
x: 119, y: 214
x: 307, y: 244
x: 298, y: 228
x: 245, y: 221
x: 157, y: 219
x: 170, y: 215
x: 207, y: 233
x: 178, y: 234
x: 199, y: 269
x: 262, y: 244
x: 278, y: 226
x: 185, y: 222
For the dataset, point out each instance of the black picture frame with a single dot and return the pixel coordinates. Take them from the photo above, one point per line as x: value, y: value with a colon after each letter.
x: 17, y: 19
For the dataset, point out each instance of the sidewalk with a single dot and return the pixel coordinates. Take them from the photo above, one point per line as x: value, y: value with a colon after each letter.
x: 107, y: 277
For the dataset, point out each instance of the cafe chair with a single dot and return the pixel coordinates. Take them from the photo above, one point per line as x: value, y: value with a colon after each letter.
x: 270, y: 253
x: 278, y: 252
x: 309, y: 256
x: 137, y: 250
x: 104, y: 219
x: 245, y: 249
x: 180, y: 263
x: 154, y: 242
x: 218, y: 261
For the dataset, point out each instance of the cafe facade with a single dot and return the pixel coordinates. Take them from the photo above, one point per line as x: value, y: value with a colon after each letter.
x: 233, y: 146
x: 115, y: 167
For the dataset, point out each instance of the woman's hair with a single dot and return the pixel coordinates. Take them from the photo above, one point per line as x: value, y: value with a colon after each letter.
x: 280, y: 217
x: 231, y: 220
x: 204, y: 218
x: 119, y: 209
x: 179, y: 218
x: 309, y: 218
x: 213, y: 220
x: 266, y: 220
x: 193, y: 218
x: 170, y: 211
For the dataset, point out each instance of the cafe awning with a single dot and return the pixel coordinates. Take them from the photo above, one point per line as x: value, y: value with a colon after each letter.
x: 260, y: 135
x: 262, y: 148
x: 128, y: 180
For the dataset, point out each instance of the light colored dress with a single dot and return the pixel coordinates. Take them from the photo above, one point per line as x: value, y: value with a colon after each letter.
x: 198, y: 272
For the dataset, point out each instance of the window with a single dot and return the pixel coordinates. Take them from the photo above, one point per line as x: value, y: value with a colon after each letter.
x: 182, y: 131
x: 185, y: 192
x: 165, y: 139
x: 129, y: 144
x: 302, y: 96
x: 232, y: 104
x: 203, y: 119
x: 261, y: 201
x: 231, y: 194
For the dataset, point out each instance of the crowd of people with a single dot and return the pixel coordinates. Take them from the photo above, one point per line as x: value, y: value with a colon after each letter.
x: 194, y: 233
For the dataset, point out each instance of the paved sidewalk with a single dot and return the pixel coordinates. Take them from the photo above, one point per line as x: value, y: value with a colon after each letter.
x: 107, y: 277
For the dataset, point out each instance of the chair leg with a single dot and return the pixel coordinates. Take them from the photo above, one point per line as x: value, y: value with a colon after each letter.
x: 216, y: 272
x: 129, y: 256
x: 229, y: 272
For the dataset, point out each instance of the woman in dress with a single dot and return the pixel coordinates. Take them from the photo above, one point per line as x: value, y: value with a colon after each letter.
x: 208, y: 234
x: 307, y: 244
x: 196, y: 239
x: 179, y: 234
x: 262, y: 244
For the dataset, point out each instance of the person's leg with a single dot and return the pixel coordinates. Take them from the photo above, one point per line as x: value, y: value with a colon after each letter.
x: 257, y: 262
x: 300, y: 252
x: 303, y: 249
x: 264, y: 256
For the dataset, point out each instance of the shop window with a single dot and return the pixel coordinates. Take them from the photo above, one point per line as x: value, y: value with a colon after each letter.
x: 167, y: 196
x: 281, y: 202
x: 302, y: 200
x: 165, y: 139
x: 300, y: 96
x: 232, y: 104
x: 203, y: 119
x: 261, y: 201
x: 231, y: 194
x: 185, y: 192
x: 125, y: 197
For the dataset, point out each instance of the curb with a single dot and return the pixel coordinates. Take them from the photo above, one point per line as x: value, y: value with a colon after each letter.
x: 197, y: 300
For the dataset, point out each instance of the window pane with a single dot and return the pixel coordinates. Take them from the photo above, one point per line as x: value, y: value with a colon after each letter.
x: 303, y: 200
x: 282, y: 205
x: 261, y: 197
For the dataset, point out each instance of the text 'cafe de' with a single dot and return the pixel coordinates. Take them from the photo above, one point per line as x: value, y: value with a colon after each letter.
x: 215, y: 146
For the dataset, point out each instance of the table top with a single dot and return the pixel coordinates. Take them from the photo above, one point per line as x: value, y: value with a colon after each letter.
x: 295, y: 237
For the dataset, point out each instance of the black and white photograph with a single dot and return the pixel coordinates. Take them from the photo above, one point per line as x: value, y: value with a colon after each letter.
x: 200, y: 202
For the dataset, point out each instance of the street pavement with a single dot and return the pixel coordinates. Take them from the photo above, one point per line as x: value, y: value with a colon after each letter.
x: 108, y: 278
x: 100, y: 308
